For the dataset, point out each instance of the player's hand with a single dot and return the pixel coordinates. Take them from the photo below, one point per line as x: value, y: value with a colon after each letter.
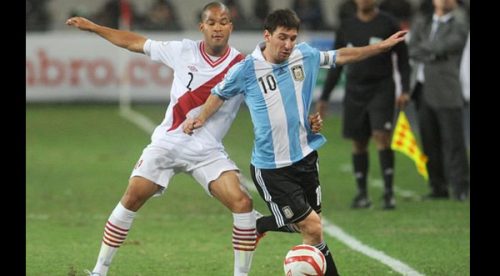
x: 191, y: 124
x: 393, y: 40
x: 316, y: 122
x: 81, y: 23
x: 402, y: 100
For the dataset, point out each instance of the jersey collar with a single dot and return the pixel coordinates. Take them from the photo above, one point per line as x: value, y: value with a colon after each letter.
x: 213, y: 63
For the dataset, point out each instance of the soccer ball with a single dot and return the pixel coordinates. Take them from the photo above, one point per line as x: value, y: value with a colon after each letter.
x: 304, y: 260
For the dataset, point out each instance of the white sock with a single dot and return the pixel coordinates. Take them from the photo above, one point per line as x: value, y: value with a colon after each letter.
x: 115, y: 232
x: 243, y: 242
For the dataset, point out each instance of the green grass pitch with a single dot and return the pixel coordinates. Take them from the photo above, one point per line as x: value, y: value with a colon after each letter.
x: 79, y: 158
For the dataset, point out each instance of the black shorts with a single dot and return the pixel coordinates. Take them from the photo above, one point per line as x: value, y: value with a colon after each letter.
x: 368, y: 108
x: 291, y: 192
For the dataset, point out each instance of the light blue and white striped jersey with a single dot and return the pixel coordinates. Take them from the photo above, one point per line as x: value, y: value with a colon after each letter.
x: 279, y: 98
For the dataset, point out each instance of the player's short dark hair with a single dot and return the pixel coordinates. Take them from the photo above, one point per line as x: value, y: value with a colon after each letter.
x: 282, y: 18
x: 203, y: 14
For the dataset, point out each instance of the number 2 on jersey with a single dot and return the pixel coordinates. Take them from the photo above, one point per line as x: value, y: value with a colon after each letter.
x: 190, y: 80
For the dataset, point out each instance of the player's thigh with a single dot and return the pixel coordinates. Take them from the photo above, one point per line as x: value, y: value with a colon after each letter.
x: 306, y: 172
x: 228, y: 190
x: 382, y: 118
x: 355, y: 121
x: 222, y: 172
x: 156, y: 165
x: 382, y: 107
x: 283, y: 193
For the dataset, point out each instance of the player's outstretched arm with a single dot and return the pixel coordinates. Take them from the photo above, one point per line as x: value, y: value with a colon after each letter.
x: 353, y: 54
x: 211, y: 106
x: 124, y: 39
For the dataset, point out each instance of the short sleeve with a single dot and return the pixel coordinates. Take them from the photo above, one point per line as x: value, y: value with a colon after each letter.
x: 163, y: 51
x: 233, y: 83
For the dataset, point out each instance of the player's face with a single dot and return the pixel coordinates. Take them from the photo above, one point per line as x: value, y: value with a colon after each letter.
x: 216, y: 28
x: 445, y: 5
x: 365, y: 5
x: 279, y: 44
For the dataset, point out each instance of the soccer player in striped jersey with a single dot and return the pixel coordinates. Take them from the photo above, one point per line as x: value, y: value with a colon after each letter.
x: 277, y: 81
x: 198, y: 66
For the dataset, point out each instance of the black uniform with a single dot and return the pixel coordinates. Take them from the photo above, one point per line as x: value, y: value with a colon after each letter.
x: 370, y: 90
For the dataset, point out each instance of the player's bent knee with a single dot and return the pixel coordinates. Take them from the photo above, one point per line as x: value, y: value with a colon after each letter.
x: 242, y: 204
x: 311, y: 225
x: 138, y: 192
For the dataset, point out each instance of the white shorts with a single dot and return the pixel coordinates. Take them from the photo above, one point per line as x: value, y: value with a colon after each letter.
x: 160, y: 165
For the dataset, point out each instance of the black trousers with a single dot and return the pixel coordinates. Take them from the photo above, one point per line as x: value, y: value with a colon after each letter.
x: 443, y: 141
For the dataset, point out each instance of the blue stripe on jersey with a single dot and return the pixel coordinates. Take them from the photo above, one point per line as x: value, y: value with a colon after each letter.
x: 287, y: 91
x: 311, y: 65
x: 263, y: 138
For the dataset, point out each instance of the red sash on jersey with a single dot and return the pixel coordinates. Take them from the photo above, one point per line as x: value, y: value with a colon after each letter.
x: 197, y: 97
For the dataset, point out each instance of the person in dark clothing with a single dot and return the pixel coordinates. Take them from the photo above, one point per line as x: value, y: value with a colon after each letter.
x: 346, y: 10
x: 436, y: 46
x: 369, y: 102
x: 401, y: 9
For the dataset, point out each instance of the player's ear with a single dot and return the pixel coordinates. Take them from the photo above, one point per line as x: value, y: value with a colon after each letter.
x: 267, y: 36
x: 201, y: 26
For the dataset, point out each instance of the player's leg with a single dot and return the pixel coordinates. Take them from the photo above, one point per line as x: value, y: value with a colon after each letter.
x: 273, y: 222
x: 360, y: 164
x: 221, y: 180
x: 293, y: 196
x: 356, y: 127
x: 451, y: 128
x: 381, y: 113
x: 120, y: 221
x: 139, y: 190
x: 312, y: 234
x: 268, y: 223
x: 309, y: 180
x: 386, y: 158
x: 432, y: 145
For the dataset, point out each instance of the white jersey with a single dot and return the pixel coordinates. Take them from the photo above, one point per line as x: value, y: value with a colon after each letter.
x: 195, y: 73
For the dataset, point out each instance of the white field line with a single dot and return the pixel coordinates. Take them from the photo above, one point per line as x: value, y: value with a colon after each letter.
x: 138, y: 119
x: 331, y: 229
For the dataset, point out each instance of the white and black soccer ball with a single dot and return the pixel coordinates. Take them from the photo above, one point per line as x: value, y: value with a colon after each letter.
x: 304, y: 260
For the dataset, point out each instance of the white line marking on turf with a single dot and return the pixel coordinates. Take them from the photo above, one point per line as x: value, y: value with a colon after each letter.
x: 138, y: 119
x: 331, y: 229
x: 378, y: 255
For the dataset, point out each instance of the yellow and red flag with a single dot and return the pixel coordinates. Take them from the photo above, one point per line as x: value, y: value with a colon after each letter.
x: 404, y: 141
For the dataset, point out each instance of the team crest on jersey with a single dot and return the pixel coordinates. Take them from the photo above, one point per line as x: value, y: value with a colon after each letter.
x: 298, y: 73
x: 287, y: 211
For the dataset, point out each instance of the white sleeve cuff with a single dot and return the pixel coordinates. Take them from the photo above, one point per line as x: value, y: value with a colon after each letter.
x: 147, y: 47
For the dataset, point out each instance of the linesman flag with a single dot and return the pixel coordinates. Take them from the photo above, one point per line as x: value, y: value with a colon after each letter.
x: 404, y: 141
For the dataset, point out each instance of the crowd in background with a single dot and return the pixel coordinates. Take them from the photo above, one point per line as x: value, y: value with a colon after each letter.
x: 162, y: 15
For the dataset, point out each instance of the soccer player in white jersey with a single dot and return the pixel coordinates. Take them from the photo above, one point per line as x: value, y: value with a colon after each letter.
x: 198, y: 66
x: 277, y: 81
